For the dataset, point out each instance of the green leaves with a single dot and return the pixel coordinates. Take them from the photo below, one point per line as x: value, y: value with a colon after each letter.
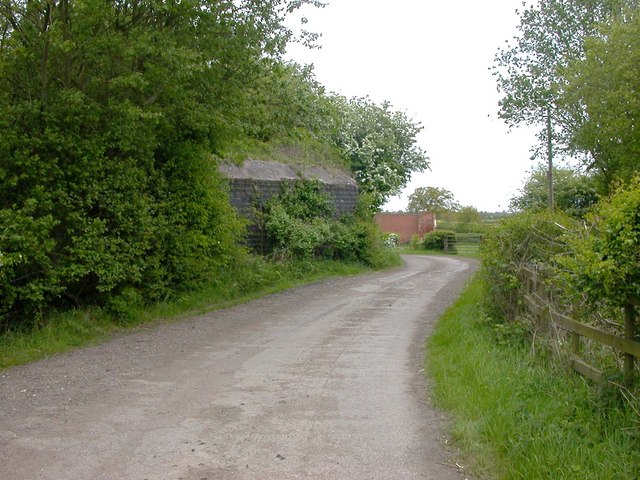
x: 606, y: 260
x: 300, y: 223
x: 605, y: 83
x: 380, y: 145
x: 433, y: 199
x: 26, y: 266
x: 520, y: 240
x: 528, y: 70
x: 574, y: 193
x: 110, y: 112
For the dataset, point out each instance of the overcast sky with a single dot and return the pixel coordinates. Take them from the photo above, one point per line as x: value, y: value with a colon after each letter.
x: 430, y: 59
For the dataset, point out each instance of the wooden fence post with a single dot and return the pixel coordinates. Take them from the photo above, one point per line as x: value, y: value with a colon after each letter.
x: 629, y: 333
x: 543, y: 320
x: 576, y: 344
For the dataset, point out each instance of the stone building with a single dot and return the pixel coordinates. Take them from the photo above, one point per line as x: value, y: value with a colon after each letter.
x: 254, y: 182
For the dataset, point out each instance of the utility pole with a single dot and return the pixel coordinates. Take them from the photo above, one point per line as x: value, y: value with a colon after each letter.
x: 550, y: 160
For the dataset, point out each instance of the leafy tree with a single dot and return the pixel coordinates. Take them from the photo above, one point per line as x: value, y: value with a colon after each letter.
x: 528, y: 70
x: 379, y: 145
x: 575, y: 192
x: 469, y: 214
x: 605, y: 83
x: 432, y: 199
x: 110, y: 113
x: 287, y: 105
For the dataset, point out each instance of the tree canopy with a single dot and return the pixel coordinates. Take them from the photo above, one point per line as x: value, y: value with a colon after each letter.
x: 529, y: 69
x: 605, y: 84
x: 433, y: 199
x: 380, y: 145
x: 575, y: 192
x: 111, y: 111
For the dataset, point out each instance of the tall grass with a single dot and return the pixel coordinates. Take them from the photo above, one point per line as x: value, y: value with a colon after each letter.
x: 250, y: 279
x: 518, y: 416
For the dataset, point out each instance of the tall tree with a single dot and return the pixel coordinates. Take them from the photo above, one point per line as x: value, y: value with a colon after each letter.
x: 550, y: 36
x: 606, y: 84
x: 576, y: 193
x: 110, y: 113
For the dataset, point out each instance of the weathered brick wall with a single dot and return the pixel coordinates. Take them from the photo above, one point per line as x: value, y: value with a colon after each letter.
x: 406, y: 224
x: 254, y: 183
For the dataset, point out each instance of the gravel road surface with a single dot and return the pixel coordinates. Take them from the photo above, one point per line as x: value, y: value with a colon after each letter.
x: 319, y: 382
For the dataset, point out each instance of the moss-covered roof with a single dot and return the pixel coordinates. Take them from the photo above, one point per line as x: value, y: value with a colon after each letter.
x: 276, y: 171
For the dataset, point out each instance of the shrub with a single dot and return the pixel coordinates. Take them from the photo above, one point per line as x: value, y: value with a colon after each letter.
x: 605, y: 260
x: 296, y: 237
x: 416, y: 241
x: 300, y: 224
x: 26, y: 267
x: 515, y: 242
x: 390, y: 240
x: 436, y: 240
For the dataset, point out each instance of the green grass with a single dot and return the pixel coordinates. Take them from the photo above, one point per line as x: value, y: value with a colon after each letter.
x: 472, y: 252
x: 515, y: 416
x: 60, y: 332
x: 409, y: 250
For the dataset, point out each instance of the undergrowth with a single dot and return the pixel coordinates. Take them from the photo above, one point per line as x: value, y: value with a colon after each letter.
x: 61, y: 331
x: 516, y: 416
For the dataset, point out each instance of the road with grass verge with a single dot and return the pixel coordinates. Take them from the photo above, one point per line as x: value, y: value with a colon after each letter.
x: 323, y: 381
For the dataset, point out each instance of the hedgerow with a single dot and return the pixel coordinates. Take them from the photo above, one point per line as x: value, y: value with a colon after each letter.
x: 604, y: 264
x: 526, y: 239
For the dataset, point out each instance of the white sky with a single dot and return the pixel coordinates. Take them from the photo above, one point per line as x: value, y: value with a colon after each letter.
x: 430, y: 59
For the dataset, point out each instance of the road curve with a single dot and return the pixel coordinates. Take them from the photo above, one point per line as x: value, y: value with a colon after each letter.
x: 322, y: 381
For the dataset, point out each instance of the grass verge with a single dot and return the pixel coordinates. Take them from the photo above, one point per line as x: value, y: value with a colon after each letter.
x: 515, y: 416
x: 256, y: 277
x: 409, y: 250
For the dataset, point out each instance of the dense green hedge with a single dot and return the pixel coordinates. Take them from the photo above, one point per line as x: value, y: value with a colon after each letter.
x: 595, y: 261
x: 301, y: 223
x: 109, y: 113
x: 527, y: 239
x: 605, y: 256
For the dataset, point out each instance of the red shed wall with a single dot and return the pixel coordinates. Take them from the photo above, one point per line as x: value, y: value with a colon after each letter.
x: 406, y: 224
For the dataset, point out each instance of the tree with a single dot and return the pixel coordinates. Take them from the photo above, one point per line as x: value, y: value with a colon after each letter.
x: 432, y: 199
x: 110, y: 113
x: 551, y: 36
x: 379, y: 144
x: 605, y: 83
x: 286, y: 104
x: 575, y: 193
x: 469, y: 214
